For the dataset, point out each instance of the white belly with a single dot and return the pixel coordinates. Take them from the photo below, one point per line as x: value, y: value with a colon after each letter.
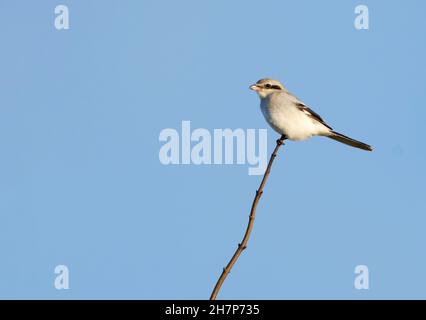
x: 287, y: 119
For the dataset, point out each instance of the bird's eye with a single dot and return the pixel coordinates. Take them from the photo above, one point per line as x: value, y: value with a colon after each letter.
x: 268, y: 86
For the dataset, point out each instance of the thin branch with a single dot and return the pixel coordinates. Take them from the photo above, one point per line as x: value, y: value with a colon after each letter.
x: 243, y: 245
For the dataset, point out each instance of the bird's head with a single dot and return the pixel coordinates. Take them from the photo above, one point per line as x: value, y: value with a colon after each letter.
x: 265, y: 87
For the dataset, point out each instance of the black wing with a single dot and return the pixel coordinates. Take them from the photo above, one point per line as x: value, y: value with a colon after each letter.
x: 311, y: 113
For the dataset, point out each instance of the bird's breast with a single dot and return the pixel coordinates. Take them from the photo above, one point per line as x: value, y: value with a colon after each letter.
x: 286, y: 119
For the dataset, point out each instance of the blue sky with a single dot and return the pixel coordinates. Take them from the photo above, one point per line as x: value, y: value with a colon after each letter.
x: 81, y: 183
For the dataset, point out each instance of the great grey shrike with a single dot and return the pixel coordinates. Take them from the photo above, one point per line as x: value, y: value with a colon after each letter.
x: 290, y: 117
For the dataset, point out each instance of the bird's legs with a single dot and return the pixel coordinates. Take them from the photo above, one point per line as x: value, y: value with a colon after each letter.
x: 280, y: 141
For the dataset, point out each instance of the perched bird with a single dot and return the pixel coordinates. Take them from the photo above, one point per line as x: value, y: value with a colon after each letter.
x: 290, y: 117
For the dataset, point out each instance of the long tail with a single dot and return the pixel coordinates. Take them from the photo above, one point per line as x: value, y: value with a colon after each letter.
x: 349, y: 141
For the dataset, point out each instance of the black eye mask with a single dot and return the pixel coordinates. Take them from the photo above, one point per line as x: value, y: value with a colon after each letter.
x: 268, y: 86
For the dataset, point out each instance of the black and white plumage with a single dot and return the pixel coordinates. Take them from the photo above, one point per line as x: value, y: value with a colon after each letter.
x: 287, y: 115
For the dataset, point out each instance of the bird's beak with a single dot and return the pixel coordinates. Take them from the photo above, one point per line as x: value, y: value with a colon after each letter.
x: 254, y: 87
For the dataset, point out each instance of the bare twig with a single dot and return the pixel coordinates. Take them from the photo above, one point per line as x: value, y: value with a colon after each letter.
x: 243, y: 245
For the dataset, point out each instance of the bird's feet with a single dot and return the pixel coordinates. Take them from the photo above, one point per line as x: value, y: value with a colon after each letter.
x: 280, y: 141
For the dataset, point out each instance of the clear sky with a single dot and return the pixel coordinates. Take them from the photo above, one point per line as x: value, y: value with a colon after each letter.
x: 81, y: 183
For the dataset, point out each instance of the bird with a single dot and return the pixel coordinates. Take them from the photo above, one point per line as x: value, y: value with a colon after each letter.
x: 292, y: 118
